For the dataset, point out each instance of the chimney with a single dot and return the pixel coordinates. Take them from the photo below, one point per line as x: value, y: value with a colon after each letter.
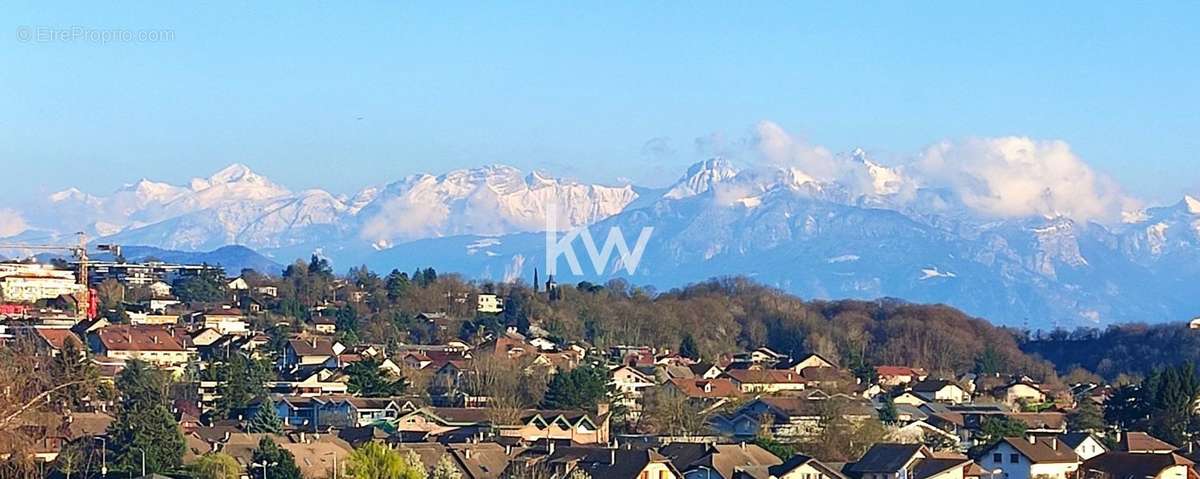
x: 742, y: 445
x: 508, y: 447
x: 1054, y: 443
x: 467, y: 453
x: 314, y: 343
x: 551, y: 446
x: 302, y: 438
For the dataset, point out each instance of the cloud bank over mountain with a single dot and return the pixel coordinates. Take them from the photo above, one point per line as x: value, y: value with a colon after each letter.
x: 1005, y: 227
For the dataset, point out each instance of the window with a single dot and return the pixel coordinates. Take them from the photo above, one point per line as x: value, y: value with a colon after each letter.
x: 1014, y: 458
x: 997, y: 458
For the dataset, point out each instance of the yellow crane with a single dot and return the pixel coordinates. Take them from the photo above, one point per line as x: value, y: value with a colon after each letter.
x: 80, y: 251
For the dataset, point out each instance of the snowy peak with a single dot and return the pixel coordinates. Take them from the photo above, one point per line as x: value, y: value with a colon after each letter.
x: 1191, y: 204
x: 702, y: 177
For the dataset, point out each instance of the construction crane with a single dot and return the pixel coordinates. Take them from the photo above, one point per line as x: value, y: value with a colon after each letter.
x: 80, y: 251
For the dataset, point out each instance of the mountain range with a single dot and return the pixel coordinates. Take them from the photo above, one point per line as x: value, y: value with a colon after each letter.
x: 872, y: 231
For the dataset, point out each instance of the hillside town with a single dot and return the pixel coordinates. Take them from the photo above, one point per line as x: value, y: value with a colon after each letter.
x: 153, y: 369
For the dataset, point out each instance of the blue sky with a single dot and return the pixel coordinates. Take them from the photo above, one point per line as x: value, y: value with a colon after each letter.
x: 342, y: 95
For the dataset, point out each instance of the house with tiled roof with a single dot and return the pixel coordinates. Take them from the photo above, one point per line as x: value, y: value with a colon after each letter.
x: 789, y: 417
x: 50, y: 341
x: 719, y: 461
x: 892, y: 376
x: 1085, y: 445
x: 613, y: 463
x: 800, y: 466
x: 530, y: 425
x: 941, y: 390
x: 1028, y: 458
x: 908, y: 461
x: 310, y: 351
x: 1129, y: 465
x: 766, y: 380
x: 704, y: 389
x: 1143, y: 443
x: 152, y: 344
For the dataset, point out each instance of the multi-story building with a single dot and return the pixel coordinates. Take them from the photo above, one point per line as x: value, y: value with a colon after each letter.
x: 28, y: 283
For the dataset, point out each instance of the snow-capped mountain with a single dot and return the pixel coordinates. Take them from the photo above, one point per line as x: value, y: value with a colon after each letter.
x: 873, y: 231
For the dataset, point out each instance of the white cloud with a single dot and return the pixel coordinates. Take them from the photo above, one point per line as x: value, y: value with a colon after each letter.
x: 1012, y: 177
x: 776, y: 147
x: 11, y: 223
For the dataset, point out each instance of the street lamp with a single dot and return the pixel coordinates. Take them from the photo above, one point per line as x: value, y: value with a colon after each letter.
x: 264, y: 467
x: 143, y: 451
x: 103, y: 456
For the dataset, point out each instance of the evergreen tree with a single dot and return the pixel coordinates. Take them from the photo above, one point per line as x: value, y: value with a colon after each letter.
x: 240, y: 381
x: 1086, y: 417
x: 366, y: 379
x: 990, y: 361
x: 688, y: 348
x: 206, y: 287
x: 281, y: 464
x: 579, y: 388
x: 396, y: 284
x: 995, y: 429
x: 144, y: 424
x: 888, y: 413
x: 266, y: 420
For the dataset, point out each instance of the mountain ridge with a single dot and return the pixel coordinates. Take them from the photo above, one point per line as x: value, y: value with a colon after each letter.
x: 871, y: 231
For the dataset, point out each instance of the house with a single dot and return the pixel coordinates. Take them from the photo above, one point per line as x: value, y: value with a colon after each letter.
x: 159, y: 289
x: 1029, y: 458
x: 237, y: 284
x: 225, y: 321
x: 325, y: 325
x: 704, y: 389
x: 790, y: 418
x: 629, y: 384
x: 151, y: 344
x: 1085, y: 445
x: 1142, y: 443
x: 50, y: 341
x: 1020, y: 392
x: 903, y: 461
x: 312, y: 351
x: 892, y: 376
x: 810, y: 361
x: 338, y: 411
x: 613, y: 463
x: 1127, y: 465
x: 718, y: 461
x: 267, y: 291
x: 489, y: 303
x: 580, y: 427
x: 941, y: 390
x: 766, y: 380
x: 705, y: 370
x: 804, y: 467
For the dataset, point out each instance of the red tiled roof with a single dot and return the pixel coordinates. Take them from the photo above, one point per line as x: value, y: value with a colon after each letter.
x: 55, y: 338
x: 717, y: 388
x: 138, y: 338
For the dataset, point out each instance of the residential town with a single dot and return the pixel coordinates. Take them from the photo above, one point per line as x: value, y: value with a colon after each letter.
x: 256, y: 371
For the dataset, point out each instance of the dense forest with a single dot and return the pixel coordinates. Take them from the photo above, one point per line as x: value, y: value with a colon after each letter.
x: 1119, y: 353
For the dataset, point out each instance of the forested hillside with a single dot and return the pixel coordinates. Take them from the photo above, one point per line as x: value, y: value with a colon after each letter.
x: 1130, y: 349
